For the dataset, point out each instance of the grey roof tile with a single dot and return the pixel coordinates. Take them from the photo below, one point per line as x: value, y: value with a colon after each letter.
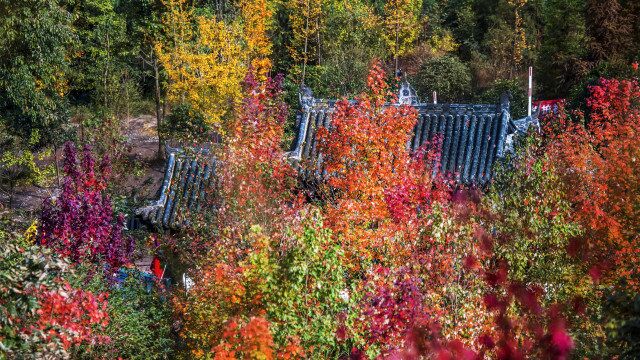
x: 473, y: 136
x: 187, y: 174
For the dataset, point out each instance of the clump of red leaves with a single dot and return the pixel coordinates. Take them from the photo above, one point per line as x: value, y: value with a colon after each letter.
x: 256, y: 180
x: 392, y: 306
x: 599, y: 158
x: 71, y: 315
x: 252, y: 340
x: 377, y: 187
x: 520, y: 327
x: 80, y: 223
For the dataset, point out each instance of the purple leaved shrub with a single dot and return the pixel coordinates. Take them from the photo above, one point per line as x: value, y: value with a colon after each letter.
x: 80, y: 223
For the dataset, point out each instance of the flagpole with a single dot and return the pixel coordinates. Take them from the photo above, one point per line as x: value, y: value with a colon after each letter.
x: 530, y: 90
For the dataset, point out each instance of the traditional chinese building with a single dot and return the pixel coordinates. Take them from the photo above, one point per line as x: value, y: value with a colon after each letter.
x: 473, y: 137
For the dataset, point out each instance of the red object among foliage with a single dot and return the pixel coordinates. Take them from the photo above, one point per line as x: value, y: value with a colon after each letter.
x: 544, y: 107
x: 71, y: 315
x: 156, y: 268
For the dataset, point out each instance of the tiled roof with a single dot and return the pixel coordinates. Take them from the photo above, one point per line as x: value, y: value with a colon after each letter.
x: 187, y: 174
x: 472, y: 136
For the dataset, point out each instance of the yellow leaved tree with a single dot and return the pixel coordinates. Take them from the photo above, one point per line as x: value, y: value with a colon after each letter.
x: 257, y: 21
x: 519, y: 35
x: 305, y: 18
x: 204, y: 62
x: 401, y: 26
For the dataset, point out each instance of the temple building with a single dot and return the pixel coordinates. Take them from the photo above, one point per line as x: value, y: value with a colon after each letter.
x: 473, y: 137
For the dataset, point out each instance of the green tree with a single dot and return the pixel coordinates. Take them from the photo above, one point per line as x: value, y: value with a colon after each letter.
x: 561, y: 59
x: 100, y: 68
x: 356, y: 39
x: 144, y: 27
x: 447, y: 75
x: 36, y: 36
x: 532, y: 211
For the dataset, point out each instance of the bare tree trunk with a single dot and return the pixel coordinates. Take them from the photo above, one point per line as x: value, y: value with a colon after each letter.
x: 106, y: 74
x: 306, y: 41
x: 126, y: 95
x: 159, y: 110
x: 397, y: 46
x: 55, y: 159
x: 12, y: 188
x: 318, y: 39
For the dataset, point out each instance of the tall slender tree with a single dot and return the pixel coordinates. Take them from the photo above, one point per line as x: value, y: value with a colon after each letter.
x: 401, y: 26
x: 143, y: 18
x: 100, y: 65
x: 257, y: 21
x: 306, y: 21
x: 204, y: 62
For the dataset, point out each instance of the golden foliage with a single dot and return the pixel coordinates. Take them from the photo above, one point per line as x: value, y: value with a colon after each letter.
x: 203, y: 61
x: 257, y: 21
x: 401, y: 25
x: 443, y: 43
x: 305, y: 18
x: 519, y: 35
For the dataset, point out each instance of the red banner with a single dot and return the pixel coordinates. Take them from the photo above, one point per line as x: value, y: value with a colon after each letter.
x: 543, y: 107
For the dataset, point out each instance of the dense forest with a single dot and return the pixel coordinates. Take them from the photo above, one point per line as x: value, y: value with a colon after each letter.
x: 385, y: 255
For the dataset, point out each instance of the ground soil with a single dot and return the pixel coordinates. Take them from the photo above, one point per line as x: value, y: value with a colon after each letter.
x: 138, y: 174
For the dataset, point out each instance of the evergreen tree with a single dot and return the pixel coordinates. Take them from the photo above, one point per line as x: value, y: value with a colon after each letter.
x: 609, y: 30
x: 36, y: 36
x: 561, y: 60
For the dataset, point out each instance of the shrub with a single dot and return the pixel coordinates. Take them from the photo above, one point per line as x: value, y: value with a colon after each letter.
x: 80, y: 223
x: 447, y: 75
x: 19, y: 164
x: 517, y: 90
x: 140, y: 318
x: 41, y: 314
x: 304, y: 288
x: 185, y: 124
x: 297, y: 288
x: 624, y: 316
x: 528, y: 208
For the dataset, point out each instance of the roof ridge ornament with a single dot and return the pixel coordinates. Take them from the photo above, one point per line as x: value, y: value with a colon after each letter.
x: 305, y: 95
x: 407, y: 94
x: 505, y: 101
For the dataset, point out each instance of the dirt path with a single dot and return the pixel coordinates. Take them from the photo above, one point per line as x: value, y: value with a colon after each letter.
x: 139, y: 175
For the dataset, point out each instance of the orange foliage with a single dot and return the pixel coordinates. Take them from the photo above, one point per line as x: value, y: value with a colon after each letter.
x: 257, y: 22
x: 599, y: 158
x: 249, y: 341
x: 377, y: 185
x: 255, y: 178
